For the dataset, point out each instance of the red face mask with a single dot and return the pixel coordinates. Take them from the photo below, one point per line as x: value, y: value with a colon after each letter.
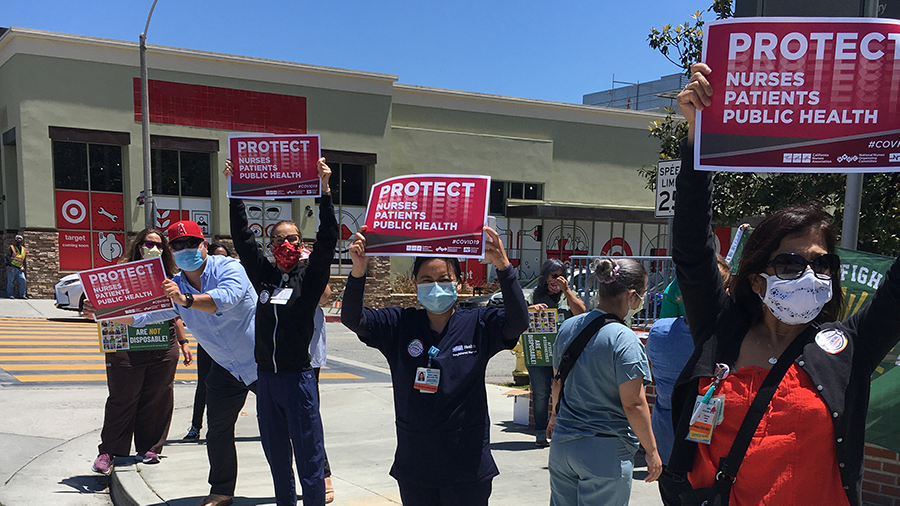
x: 287, y: 255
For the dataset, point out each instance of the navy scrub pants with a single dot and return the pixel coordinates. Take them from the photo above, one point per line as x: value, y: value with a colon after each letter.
x: 469, y: 494
x: 287, y: 408
x: 225, y: 396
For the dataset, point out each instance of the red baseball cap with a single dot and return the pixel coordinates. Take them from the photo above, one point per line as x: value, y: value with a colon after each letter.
x: 184, y: 228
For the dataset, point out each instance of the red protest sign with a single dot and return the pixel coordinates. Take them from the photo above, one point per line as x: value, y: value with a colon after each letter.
x: 274, y: 166
x: 801, y: 95
x: 126, y: 289
x: 428, y: 215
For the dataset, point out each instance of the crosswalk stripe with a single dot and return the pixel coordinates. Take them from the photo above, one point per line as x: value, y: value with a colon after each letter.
x: 73, y: 367
x: 41, y: 351
x: 49, y: 358
x: 338, y: 375
x: 33, y: 378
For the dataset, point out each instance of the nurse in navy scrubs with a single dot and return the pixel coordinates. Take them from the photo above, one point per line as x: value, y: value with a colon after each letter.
x: 438, y: 357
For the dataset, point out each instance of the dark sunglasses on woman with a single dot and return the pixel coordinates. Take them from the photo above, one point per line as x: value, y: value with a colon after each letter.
x: 790, y: 266
x: 153, y: 244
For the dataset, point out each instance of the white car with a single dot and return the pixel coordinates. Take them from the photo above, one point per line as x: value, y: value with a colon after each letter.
x: 70, y: 293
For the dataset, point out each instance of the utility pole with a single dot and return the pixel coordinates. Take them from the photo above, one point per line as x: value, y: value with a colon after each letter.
x: 853, y: 191
x: 149, y: 219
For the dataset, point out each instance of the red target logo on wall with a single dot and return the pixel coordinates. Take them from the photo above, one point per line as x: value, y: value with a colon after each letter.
x: 616, y: 247
x: 72, y: 210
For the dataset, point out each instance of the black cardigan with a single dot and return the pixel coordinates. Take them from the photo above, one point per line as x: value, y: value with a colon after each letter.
x: 283, y: 332
x: 718, y: 326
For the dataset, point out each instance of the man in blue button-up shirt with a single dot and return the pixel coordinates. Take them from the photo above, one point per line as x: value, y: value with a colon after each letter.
x: 214, y: 297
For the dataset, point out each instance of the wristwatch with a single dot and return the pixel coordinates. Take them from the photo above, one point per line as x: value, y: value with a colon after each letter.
x: 190, y: 300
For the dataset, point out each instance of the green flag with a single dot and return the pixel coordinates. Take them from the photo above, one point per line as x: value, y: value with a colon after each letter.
x: 862, y: 273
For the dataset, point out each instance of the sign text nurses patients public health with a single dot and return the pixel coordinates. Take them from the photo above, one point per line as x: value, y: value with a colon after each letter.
x: 428, y: 215
x: 834, y: 78
x: 274, y: 166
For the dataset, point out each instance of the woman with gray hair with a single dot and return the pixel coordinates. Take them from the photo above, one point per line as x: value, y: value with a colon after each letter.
x: 552, y: 292
x: 602, y: 413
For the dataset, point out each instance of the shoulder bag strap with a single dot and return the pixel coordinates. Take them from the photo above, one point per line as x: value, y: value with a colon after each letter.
x: 729, y: 465
x: 573, y: 351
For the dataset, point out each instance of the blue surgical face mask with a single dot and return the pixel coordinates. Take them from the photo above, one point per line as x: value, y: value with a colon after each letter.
x: 437, y: 298
x: 189, y: 259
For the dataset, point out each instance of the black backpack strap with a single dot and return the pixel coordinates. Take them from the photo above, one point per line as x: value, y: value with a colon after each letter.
x: 573, y: 351
x: 729, y: 465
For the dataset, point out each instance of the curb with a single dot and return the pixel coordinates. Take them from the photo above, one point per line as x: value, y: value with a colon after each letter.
x: 127, y: 487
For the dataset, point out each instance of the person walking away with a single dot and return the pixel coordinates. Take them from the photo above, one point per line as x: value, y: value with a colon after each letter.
x: 669, y: 346
x: 603, y: 413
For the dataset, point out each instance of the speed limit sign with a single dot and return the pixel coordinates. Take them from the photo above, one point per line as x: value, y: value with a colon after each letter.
x: 666, y: 172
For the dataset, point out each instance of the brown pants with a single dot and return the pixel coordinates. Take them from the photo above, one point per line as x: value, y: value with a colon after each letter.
x: 140, y: 403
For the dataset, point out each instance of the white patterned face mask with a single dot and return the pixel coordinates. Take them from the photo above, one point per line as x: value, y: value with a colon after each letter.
x: 796, y: 301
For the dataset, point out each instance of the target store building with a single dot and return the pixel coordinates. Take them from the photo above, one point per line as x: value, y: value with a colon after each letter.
x: 564, y: 176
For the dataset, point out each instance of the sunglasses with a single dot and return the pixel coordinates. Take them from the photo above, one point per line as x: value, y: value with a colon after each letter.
x: 179, y: 245
x: 291, y: 238
x: 790, y: 266
x: 153, y: 244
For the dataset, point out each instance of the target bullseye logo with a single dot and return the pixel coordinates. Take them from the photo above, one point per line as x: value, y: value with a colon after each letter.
x: 74, y: 211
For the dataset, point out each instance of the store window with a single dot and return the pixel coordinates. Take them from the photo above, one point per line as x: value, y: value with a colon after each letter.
x: 349, y: 184
x: 89, y: 202
x: 501, y: 191
x: 182, y: 187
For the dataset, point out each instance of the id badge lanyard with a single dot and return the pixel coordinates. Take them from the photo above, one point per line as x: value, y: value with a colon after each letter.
x: 707, y: 410
x: 428, y: 378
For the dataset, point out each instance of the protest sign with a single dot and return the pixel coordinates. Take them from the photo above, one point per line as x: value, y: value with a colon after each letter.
x: 428, y: 215
x: 126, y: 289
x: 537, y: 341
x: 274, y: 166
x: 801, y: 95
x: 117, y: 337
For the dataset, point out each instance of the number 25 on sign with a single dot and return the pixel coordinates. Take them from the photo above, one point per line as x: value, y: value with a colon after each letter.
x: 666, y: 172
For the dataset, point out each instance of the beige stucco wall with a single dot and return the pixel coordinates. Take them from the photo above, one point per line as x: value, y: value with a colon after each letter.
x: 589, y: 163
x: 81, y: 94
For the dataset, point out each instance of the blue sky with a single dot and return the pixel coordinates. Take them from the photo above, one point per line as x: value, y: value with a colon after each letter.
x: 545, y: 50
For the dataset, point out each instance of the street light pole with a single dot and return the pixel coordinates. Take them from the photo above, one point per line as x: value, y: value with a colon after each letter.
x: 149, y: 219
x: 854, y: 188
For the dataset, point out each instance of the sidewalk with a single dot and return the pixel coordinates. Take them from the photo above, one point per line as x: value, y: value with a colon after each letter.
x: 360, y: 441
x: 49, y: 436
x: 33, y: 308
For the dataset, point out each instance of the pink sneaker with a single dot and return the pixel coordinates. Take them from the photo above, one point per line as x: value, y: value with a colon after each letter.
x: 151, y: 458
x: 102, y: 463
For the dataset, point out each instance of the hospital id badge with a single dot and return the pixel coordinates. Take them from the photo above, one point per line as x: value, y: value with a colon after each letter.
x: 704, y: 419
x: 427, y: 379
x: 281, y: 295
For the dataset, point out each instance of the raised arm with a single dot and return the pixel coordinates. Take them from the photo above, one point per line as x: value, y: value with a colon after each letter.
x: 319, y: 269
x: 375, y: 328
x: 693, y: 244
x: 253, y: 258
